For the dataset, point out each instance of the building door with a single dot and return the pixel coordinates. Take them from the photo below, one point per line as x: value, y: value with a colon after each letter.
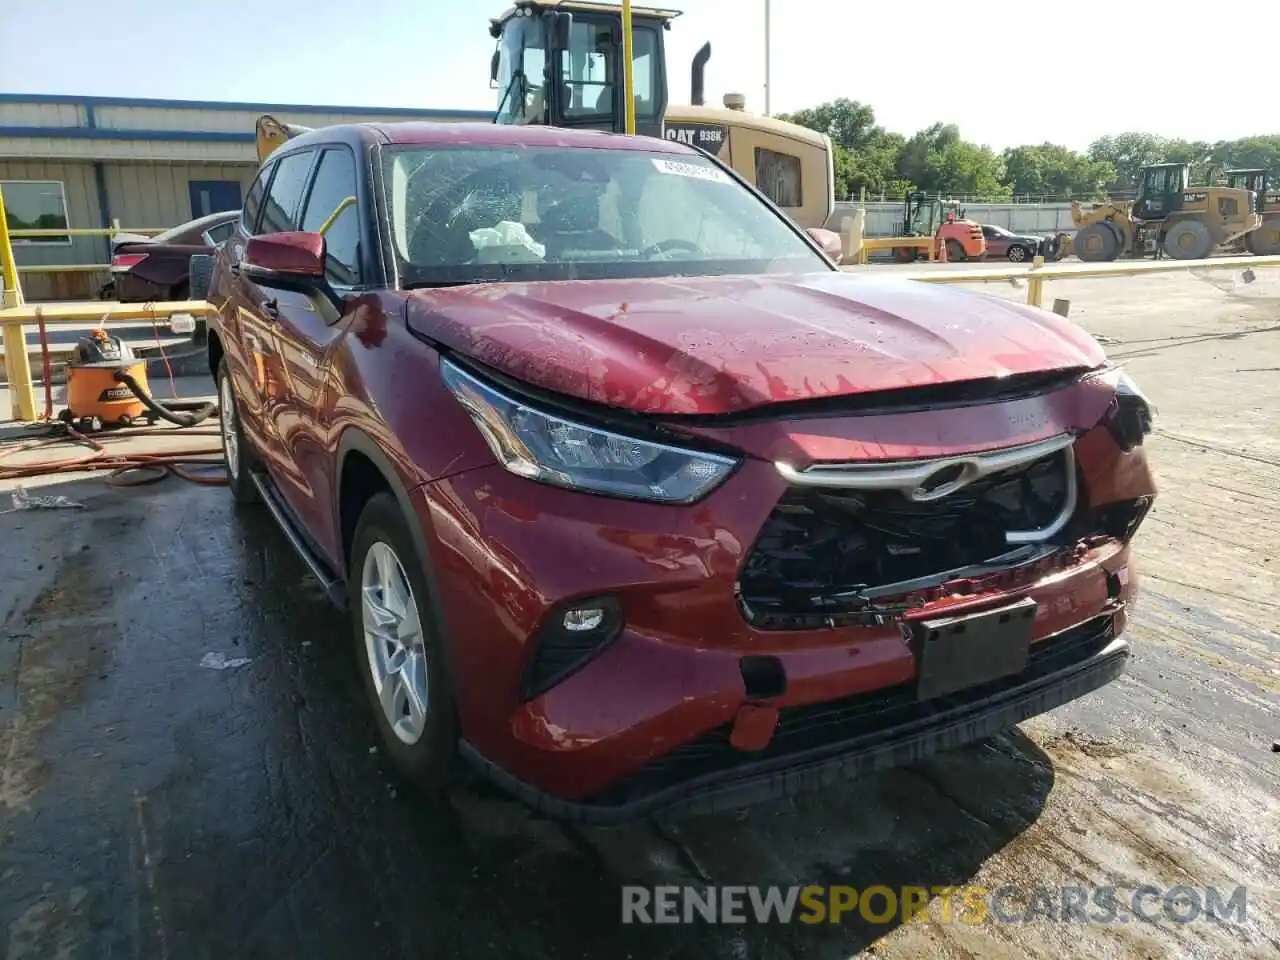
x: 214, y: 196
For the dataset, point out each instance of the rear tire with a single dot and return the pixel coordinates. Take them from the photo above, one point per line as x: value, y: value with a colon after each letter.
x: 1265, y: 241
x: 1096, y: 243
x: 236, y: 452
x: 401, y: 653
x: 905, y: 254
x: 955, y: 252
x: 1188, y: 240
x: 199, y: 275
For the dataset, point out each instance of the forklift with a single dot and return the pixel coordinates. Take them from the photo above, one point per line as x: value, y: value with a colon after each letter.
x: 1264, y: 241
x: 924, y: 215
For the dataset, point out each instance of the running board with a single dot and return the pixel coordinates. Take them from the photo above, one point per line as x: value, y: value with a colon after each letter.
x: 334, y: 588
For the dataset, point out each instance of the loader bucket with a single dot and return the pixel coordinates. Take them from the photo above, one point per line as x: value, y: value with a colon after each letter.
x: 272, y: 134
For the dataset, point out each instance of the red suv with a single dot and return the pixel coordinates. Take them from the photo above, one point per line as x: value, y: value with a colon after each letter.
x: 637, y: 501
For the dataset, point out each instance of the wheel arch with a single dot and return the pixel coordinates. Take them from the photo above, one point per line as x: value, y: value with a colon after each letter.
x: 216, y: 352
x: 357, y: 454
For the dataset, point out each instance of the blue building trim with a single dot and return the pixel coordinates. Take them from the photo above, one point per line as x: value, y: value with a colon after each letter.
x: 108, y: 133
x: 89, y: 103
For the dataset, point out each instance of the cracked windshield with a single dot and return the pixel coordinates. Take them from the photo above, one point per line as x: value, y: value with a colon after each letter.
x: 545, y: 213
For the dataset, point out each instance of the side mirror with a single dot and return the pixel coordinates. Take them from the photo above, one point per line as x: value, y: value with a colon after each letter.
x: 289, y: 261
x: 829, y: 241
x: 493, y: 69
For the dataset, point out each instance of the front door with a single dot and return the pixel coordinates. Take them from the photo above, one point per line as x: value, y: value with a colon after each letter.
x: 307, y: 329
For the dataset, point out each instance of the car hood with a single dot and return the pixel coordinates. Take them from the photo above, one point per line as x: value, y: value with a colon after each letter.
x: 714, y: 345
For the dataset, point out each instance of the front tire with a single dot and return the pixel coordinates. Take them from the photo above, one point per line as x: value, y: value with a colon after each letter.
x: 1096, y: 243
x: 1017, y: 254
x: 236, y: 452
x: 1188, y: 240
x: 401, y: 653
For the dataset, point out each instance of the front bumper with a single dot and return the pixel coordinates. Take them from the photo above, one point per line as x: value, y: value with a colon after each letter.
x: 645, y: 724
x: 846, y: 739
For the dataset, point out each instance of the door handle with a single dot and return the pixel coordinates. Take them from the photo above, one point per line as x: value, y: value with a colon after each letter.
x: 270, y: 309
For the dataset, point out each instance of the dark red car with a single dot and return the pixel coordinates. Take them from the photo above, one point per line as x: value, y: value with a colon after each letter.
x: 156, y: 268
x: 636, y: 500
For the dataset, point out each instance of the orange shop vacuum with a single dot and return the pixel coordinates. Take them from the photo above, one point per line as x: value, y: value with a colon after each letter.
x: 107, y: 387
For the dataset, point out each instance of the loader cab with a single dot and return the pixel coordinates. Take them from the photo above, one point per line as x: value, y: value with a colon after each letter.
x: 1160, y: 190
x: 1255, y: 180
x: 559, y: 63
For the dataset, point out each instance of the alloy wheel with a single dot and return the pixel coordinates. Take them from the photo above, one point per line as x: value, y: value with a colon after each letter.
x: 227, y: 418
x: 393, y: 642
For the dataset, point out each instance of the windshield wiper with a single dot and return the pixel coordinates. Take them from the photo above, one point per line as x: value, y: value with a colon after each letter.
x: 435, y: 284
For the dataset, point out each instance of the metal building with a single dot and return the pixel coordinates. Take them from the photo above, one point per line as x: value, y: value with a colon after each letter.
x: 82, y: 162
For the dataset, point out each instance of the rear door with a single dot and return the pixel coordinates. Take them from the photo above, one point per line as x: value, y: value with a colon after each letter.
x: 306, y: 332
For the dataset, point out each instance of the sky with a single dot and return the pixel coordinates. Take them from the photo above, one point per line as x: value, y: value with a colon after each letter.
x: 1007, y: 72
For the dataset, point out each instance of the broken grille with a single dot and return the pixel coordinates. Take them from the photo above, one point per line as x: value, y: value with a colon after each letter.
x: 845, y: 538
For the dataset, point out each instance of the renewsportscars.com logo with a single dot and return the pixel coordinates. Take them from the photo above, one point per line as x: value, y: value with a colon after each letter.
x: 967, y: 904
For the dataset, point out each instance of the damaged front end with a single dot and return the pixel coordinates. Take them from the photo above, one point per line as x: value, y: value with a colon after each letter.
x: 860, y: 543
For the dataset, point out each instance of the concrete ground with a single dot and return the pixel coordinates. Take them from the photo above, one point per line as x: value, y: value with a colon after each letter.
x: 153, y: 807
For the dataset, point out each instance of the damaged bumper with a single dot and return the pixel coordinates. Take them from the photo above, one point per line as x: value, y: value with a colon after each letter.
x: 800, y: 624
x: 826, y: 743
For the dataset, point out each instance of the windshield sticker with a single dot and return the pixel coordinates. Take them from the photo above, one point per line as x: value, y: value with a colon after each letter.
x: 697, y: 171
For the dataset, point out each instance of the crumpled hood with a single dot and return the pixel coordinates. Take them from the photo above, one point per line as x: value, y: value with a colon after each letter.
x: 727, y: 344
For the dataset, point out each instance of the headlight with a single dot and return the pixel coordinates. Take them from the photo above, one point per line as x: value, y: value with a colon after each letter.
x: 1131, y: 417
x: 538, y: 445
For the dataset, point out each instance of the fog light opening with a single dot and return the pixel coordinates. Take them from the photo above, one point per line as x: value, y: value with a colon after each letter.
x: 583, y: 619
x: 763, y: 677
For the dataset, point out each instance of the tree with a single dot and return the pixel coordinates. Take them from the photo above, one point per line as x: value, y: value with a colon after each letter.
x: 1050, y: 170
x: 1128, y: 153
x: 865, y: 155
x: 938, y: 160
x: 1257, y: 153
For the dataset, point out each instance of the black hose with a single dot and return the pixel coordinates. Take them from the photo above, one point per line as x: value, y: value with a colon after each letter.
x: 199, y: 415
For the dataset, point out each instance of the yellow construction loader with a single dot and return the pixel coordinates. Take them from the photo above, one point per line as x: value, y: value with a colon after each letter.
x: 1265, y: 241
x: 1168, y: 218
x: 560, y: 62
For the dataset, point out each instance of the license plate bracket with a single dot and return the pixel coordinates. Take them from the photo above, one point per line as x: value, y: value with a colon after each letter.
x: 955, y: 653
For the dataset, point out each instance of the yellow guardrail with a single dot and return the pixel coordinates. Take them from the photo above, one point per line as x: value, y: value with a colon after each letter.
x: 16, y: 313
x: 64, y: 268
x: 875, y: 244
x: 85, y: 232
x: 77, y: 232
x: 1037, y: 273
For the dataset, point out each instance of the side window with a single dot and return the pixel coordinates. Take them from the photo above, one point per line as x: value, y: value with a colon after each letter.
x: 253, y: 202
x: 281, y: 208
x: 644, y: 59
x: 331, y: 209
x: 778, y: 175
x: 220, y: 232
